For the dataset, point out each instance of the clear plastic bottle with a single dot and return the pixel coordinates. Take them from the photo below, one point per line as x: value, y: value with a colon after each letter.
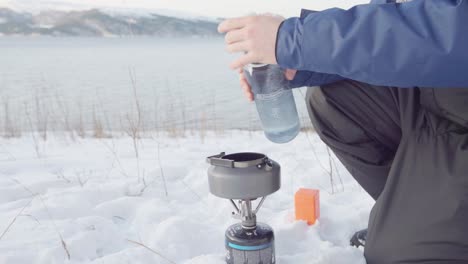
x: 275, y: 102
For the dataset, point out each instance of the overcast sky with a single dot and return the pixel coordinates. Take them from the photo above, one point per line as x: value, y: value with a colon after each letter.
x: 212, y: 8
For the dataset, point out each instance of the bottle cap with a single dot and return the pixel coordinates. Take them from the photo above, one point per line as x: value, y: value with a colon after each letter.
x: 250, y: 67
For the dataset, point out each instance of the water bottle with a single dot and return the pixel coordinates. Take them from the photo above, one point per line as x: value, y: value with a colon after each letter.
x: 275, y: 102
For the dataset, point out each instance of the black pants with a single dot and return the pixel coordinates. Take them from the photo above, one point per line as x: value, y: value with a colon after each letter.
x: 408, y: 148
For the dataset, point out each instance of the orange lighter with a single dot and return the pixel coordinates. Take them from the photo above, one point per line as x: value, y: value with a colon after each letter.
x: 307, y: 205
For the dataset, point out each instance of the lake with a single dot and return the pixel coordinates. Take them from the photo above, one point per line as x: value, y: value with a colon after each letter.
x: 68, y: 83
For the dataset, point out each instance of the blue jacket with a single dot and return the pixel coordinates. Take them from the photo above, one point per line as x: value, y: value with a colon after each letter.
x: 419, y: 43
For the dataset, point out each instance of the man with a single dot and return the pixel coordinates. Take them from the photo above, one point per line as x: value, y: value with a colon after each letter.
x: 391, y: 105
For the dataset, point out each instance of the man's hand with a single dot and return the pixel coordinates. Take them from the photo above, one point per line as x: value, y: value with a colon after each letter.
x: 255, y: 36
x: 290, y: 74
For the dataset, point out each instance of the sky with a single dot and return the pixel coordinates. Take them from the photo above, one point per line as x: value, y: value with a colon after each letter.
x: 210, y: 8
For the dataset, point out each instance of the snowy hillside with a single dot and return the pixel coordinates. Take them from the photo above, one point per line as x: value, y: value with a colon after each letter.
x: 93, y: 201
x: 102, y: 22
x: 140, y: 7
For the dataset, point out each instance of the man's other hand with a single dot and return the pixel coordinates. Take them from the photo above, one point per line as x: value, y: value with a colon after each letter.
x: 254, y: 36
x: 290, y: 74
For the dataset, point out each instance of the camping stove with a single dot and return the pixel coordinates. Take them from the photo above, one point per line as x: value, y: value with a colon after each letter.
x: 244, y: 178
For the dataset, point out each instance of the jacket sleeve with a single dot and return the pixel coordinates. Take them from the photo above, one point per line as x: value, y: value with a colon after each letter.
x: 419, y: 43
x: 307, y: 78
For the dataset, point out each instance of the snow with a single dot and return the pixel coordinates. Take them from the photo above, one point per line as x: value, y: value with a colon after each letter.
x: 107, y: 206
x: 148, y: 12
x: 45, y: 26
x: 118, y: 8
x: 211, y: 8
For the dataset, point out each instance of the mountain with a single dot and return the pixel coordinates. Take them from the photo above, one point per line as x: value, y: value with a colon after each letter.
x: 101, y: 23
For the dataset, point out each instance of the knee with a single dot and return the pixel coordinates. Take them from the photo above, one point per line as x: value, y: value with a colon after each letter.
x: 328, y: 116
x: 317, y: 104
x: 321, y: 110
x: 322, y: 101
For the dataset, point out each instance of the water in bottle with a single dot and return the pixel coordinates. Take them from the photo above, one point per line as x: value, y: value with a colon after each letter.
x: 275, y: 102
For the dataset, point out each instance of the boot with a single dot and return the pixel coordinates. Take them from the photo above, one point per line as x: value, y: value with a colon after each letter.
x: 359, y: 239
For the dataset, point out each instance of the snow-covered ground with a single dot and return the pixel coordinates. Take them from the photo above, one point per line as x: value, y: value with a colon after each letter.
x: 90, y: 201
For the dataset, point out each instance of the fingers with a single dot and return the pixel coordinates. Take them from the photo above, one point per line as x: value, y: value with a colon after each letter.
x: 250, y: 96
x: 237, y: 47
x: 290, y: 74
x: 246, y: 87
x: 235, y: 36
x: 242, y: 61
x: 233, y: 23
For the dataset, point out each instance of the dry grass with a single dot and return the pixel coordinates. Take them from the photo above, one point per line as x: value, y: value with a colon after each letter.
x: 151, y: 250
x: 47, y: 111
x: 46, y: 208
